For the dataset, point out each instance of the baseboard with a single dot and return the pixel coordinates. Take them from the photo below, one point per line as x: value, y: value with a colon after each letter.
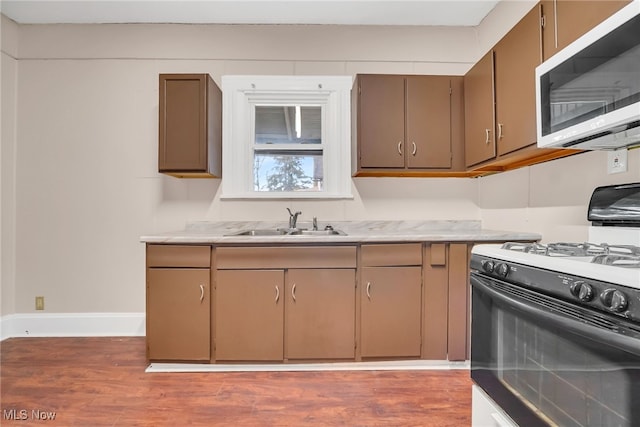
x: 394, y: 365
x: 72, y: 325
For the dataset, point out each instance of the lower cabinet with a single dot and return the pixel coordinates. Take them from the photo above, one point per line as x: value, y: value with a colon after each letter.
x: 178, y: 303
x: 285, y: 303
x: 459, y: 304
x: 391, y: 300
x: 321, y: 314
x: 446, y: 302
x: 250, y: 315
x: 391, y: 311
x: 436, y: 301
x: 302, y: 303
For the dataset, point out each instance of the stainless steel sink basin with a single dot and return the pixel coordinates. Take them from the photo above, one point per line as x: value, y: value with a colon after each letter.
x: 260, y: 232
x: 320, y: 233
x: 286, y: 232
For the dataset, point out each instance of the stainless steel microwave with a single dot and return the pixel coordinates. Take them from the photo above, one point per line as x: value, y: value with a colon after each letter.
x: 588, y: 94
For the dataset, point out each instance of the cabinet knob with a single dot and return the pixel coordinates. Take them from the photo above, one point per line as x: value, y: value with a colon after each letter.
x: 488, y: 134
x: 277, y: 293
x: 499, y: 130
x: 369, y: 290
x: 293, y: 292
x: 415, y: 149
x: 201, y: 293
x: 400, y: 147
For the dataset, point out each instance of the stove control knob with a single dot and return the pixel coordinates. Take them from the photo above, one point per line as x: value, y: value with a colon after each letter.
x: 502, y: 269
x: 488, y: 266
x: 582, y: 290
x: 614, y: 300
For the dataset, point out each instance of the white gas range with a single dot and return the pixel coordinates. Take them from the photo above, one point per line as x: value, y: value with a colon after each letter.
x: 556, y: 327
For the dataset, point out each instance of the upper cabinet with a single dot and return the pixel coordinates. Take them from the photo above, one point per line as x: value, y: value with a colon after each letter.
x: 515, y: 58
x: 479, y: 112
x: 407, y: 125
x: 497, y: 122
x: 190, y: 126
x: 567, y: 20
x: 500, y: 101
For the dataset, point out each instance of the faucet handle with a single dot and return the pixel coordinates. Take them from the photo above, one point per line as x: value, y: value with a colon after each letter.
x: 294, y: 214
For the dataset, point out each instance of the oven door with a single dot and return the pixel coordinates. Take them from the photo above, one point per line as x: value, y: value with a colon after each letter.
x: 547, y: 362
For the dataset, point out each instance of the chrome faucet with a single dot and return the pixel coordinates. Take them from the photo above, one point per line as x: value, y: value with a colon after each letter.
x: 293, y: 219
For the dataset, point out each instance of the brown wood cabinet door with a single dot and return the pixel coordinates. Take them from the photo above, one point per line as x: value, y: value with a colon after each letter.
x: 479, y: 110
x: 381, y: 121
x: 516, y: 56
x: 190, y: 126
x: 428, y: 142
x: 178, y: 310
x: 320, y: 314
x: 549, y: 40
x: 576, y: 17
x: 249, y: 315
x: 391, y: 311
x: 183, y: 123
x: 566, y: 20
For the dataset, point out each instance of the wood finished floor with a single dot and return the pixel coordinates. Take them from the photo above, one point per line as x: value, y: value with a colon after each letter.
x: 101, y: 382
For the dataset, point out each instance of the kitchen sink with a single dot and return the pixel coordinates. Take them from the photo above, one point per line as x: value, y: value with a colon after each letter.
x: 320, y: 233
x: 260, y: 232
x: 287, y: 232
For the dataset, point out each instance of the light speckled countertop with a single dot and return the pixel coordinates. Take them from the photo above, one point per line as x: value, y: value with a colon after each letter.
x: 222, y: 232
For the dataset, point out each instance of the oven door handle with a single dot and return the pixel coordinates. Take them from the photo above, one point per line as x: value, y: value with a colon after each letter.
x: 563, y: 322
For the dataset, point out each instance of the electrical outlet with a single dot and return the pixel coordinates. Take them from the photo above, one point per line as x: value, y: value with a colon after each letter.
x: 39, y: 303
x: 617, y: 161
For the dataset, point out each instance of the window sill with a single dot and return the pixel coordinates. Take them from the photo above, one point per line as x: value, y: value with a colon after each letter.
x: 287, y: 196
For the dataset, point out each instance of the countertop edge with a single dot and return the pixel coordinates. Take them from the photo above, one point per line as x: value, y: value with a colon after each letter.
x: 484, y: 236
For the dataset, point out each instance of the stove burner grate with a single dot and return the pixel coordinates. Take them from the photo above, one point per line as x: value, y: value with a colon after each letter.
x: 628, y: 261
x: 616, y: 255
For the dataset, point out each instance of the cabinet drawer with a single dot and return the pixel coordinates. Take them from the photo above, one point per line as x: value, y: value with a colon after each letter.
x: 286, y: 257
x: 178, y: 256
x: 392, y: 255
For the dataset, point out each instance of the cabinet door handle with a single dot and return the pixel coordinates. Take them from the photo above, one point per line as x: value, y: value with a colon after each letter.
x: 415, y: 149
x: 400, y: 147
x: 488, y: 138
x: 293, y: 292
x: 277, y: 293
x: 201, y: 293
x: 499, y: 130
x: 369, y: 290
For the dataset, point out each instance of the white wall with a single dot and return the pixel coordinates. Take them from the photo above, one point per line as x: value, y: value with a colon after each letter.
x: 8, y: 76
x: 80, y: 185
x: 550, y: 198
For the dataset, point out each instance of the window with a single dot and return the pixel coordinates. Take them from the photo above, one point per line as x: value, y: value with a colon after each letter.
x: 286, y: 137
x: 287, y: 148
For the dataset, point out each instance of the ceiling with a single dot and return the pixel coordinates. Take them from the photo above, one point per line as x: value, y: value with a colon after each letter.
x: 343, y: 12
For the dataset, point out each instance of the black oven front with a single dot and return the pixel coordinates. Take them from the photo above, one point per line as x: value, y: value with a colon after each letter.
x: 547, y: 362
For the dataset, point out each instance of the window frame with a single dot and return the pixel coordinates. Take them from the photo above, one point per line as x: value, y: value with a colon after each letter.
x: 240, y: 96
